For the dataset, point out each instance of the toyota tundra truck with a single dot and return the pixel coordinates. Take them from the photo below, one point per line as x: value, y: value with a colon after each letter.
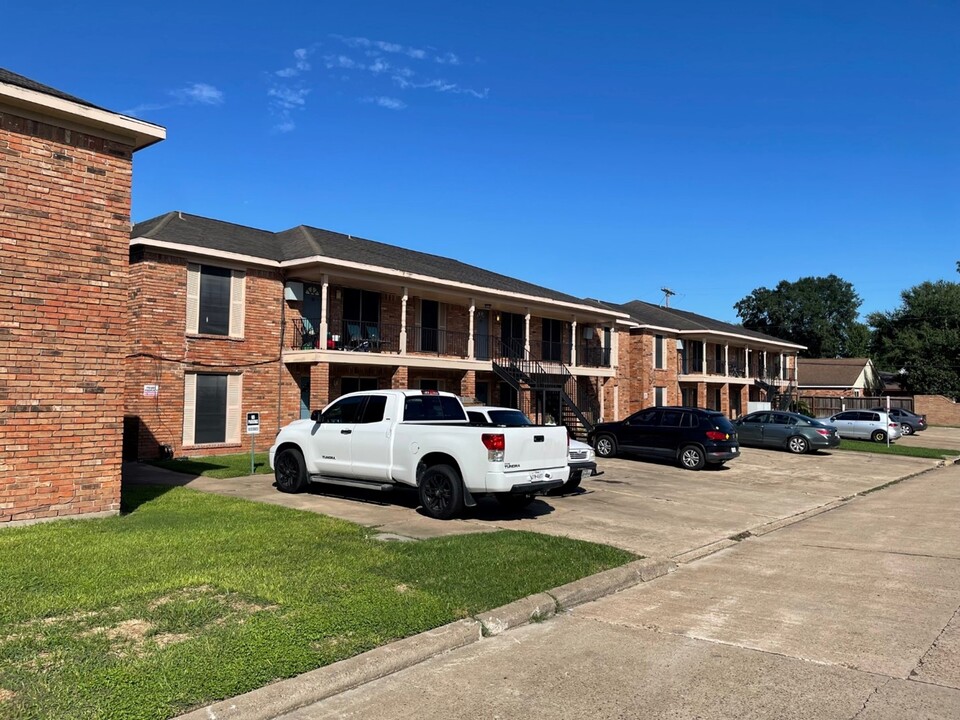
x: 381, y: 439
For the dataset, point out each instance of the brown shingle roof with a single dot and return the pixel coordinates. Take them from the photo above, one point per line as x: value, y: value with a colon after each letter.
x: 829, y: 372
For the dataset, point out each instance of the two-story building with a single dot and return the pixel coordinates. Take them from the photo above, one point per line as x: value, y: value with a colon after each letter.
x: 230, y: 319
x: 674, y: 357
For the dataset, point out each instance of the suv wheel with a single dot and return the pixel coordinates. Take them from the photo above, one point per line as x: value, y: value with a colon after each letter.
x: 692, y: 457
x: 606, y: 446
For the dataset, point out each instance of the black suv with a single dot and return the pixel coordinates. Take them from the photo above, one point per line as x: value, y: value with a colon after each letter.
x: 693, y: 436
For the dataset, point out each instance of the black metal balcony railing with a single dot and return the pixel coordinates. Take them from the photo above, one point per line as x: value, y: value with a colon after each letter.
x: 351, y: 335
x: 551, y: 352
x: 593, y: 356
x: 437, y: 341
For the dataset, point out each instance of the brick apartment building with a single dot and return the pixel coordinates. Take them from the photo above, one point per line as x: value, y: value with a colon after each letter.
x: 65, y: 183
x: 228, y: 319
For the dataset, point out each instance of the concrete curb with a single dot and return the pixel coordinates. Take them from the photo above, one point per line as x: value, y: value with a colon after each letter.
x: 285, y: 696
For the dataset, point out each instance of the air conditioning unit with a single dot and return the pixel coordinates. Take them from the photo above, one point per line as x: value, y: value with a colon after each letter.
x: 679, y: 344
x: 293, y: 291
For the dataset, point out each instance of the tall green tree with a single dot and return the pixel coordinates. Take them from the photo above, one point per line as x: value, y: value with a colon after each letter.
x: 922, y: 337
x: 819, y: 312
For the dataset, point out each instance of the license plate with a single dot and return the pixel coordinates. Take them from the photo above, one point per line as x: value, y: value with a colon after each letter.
x: 536, y: 475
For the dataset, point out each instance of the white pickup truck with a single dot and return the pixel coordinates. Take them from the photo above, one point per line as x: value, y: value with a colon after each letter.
x: 380, y: 439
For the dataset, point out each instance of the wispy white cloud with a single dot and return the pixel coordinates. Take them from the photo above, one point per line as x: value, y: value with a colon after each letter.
x: 197, y: 93
x: 289, y: 94
x: 289, y: 98
x: 301, y: 63
x: 386, y: 102
x: 377, y: 58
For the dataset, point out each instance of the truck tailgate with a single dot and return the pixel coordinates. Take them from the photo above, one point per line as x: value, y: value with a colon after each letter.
x: 534, y: 448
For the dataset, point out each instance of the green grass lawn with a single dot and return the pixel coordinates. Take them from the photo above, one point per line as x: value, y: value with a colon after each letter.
x: 189, y: 597
x: 894, y: 449
x: 219, y: 466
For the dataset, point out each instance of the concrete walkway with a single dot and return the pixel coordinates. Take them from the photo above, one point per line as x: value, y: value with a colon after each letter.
x: 853, y: 613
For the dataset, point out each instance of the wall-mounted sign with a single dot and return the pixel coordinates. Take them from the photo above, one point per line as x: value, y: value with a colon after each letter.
x: 151, y: 391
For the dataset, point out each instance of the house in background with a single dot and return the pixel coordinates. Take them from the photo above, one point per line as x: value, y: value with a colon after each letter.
x: 838, y: 377
x: 228, y: 319
x: 65, y: 182
x: 669, y: 356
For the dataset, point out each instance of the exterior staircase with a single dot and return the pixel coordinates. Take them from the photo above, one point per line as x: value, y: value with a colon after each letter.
x: 547, y: 394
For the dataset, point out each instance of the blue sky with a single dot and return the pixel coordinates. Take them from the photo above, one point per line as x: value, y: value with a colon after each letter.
x: 605, y: 149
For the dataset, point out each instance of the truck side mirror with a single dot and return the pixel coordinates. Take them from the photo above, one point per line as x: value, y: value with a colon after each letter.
x: 316, y: 415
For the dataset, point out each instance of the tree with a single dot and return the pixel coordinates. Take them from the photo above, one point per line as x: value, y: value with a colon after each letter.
x: 819, y: 312
x: 922, y: 337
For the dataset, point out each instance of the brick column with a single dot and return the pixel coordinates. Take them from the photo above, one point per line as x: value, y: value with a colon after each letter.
x: 468, y: 384
x: 319, y: 385
x: 400, y: 378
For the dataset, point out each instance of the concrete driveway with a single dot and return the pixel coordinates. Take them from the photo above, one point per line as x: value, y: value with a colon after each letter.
x: 654, y: 509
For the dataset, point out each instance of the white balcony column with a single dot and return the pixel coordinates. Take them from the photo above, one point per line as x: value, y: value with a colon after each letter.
x: 573, y: 342
x: 726, y: 359
x: 324, y: 312
x: 403, y: 320
x: 471, y: 348
x: 614, y: 346
x: 766, y: 369
x: 746, y: 362
x: 782, y: 363
x: 703, y: 359
x: 526, y: 333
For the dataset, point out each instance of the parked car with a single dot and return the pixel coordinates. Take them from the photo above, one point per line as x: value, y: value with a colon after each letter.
x: 580, y: 456
x: 864, y: 425
x: 792, y: 431
x: 379, y: 439
x: 694, y: 437
x: 910, y: 422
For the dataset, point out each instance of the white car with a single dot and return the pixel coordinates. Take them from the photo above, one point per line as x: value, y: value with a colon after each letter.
x: 865, y: 425
x: 580, y: 456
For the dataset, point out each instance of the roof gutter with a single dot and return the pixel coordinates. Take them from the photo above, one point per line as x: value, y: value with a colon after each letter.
x: 113, y: 125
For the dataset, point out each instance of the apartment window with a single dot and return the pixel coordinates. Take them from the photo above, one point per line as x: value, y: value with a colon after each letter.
x: 433, y: 320
x: 552, y: 342
x: 211, y: 409
x: 356, y: 384
x: 215, y: 300
x: 660, y: 396
x: 658, y: 352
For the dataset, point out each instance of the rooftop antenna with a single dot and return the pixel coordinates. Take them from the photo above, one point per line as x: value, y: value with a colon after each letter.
x: 667, y: 292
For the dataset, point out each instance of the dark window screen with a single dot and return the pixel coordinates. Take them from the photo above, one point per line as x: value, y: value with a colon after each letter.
x: 214, y: 301
x: 353, y: 384
x: 211, y: 409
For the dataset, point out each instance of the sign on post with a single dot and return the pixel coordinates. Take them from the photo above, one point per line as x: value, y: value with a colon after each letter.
x: 253, y: 428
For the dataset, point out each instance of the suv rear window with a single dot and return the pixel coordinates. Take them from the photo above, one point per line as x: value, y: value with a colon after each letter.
x: 720, y: 422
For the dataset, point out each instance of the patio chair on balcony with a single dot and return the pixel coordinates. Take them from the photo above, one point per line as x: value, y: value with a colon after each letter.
x: 355, y: 340
x: 308, y: 336
x: 372, y: 331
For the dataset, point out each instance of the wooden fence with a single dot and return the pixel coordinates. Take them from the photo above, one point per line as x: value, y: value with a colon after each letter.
x: 822, y: 406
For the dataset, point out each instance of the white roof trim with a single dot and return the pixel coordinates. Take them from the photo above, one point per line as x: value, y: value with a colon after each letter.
x: 466, y: 287
x: 194, y: 251
x: 139, y: 133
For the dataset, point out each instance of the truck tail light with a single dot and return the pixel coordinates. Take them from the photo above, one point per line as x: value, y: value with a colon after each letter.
x: 716, y: 435
x: 495, y: 444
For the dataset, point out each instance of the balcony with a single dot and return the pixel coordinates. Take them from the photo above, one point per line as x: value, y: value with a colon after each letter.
x: 377, y: 337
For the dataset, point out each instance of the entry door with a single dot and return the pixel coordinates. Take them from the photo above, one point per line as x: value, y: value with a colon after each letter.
x: 305, y: 397
x: 481, y: 334
x: 511, y: 334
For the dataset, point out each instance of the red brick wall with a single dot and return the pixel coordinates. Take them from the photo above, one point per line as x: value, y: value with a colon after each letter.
x: 163, y: 352
x: 637, y: 377
x: 64, y: 228
x: 938, y: 409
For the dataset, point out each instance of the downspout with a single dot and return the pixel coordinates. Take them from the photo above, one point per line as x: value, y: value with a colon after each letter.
x: 283, y: 330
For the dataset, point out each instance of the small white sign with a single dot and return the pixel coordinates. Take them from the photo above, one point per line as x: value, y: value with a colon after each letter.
x: 253, y: 423
x: 151, y: 391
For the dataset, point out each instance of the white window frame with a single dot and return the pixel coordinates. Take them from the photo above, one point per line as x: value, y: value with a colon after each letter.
x: 234, y: 402
x: 237, y: 301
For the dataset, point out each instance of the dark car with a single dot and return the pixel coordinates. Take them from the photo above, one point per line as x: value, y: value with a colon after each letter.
x: 791, y: 431
x: 909, y: 421
x: 694, y: 437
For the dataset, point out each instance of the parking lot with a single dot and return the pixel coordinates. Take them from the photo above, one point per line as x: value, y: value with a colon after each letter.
x: 654, y: 509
